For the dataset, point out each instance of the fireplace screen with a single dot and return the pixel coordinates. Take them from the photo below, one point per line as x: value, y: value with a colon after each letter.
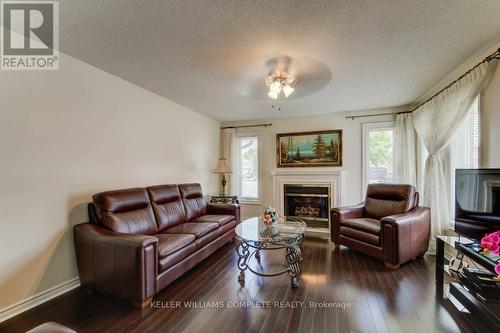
x: 311, y: 203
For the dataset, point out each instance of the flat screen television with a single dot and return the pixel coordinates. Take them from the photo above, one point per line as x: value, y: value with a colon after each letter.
x: 477, y: 202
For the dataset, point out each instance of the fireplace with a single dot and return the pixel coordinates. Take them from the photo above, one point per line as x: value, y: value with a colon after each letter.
x: 309, y: 202
x: 333, y: 180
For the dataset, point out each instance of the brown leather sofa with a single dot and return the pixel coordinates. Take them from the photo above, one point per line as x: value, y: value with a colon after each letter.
x: 389, y: 225
x: 140, y: 240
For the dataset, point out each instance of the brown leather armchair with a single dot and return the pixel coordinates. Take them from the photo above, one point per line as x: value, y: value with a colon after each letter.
x: 389, y: 225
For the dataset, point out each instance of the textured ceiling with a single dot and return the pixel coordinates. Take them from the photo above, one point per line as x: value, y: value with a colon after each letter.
x: 381, y: 53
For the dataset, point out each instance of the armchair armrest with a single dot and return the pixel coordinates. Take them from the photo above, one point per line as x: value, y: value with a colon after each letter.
x: 224, y: 209
x: 406, y: 236
x: 122, y: 265
x: 343, y: 213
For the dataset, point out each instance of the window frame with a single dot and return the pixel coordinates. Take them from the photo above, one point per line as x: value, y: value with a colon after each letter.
x: 238, y: 175
x: 366, y: 127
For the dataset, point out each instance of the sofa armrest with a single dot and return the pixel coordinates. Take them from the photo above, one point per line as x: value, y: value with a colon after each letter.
x: 343, y: 213
x: 224, y: 209
x: 122, y: 265
x: 406, y: 236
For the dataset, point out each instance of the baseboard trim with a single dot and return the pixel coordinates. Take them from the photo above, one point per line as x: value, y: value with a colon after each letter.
x: 37, y: 299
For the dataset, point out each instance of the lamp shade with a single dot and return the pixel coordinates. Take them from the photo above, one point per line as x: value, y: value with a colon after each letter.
x: 222, y: 166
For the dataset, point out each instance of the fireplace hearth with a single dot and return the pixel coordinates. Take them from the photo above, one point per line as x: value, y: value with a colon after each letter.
x: 309, y: 202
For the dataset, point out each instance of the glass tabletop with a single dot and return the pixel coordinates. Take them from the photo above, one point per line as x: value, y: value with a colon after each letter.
x: 255, y: 230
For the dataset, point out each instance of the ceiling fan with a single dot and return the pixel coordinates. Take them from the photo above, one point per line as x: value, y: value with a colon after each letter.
x: 282, y: 77
x: 280, y: 85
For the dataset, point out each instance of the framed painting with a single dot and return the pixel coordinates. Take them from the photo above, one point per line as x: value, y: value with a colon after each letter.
x: 309, y: 149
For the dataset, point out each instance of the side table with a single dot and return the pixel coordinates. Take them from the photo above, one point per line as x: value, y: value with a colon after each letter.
x: 232, y: 199
x: 483, y: 316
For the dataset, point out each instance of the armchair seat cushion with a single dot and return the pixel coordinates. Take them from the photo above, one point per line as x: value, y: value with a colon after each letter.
x: 170, y: 243
x: 198, y: 229
x: 364, y: 237
x: 219, y: 219
x: 368, y: 225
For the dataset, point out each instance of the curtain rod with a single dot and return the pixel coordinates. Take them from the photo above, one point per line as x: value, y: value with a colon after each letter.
x: 494, y: 55
x: 244, y: 126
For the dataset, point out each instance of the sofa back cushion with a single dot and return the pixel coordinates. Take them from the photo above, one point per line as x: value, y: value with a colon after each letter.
x: 192, y: 197
x: 128, y: 211
x: 388, y: 199
x: 167, y: 205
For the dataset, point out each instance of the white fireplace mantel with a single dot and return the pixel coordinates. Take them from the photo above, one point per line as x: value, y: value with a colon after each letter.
x: 336, y: 180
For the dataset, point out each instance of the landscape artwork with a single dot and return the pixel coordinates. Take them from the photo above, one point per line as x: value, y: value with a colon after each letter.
x: 309, y: 149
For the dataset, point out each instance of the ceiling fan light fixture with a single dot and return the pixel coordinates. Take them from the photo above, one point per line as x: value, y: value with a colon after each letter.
x: 280, y: 85
x: 275, y: 87
x: 272, y: 94
x: 288, y: 90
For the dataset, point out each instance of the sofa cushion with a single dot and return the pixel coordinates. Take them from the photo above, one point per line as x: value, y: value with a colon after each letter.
x: 388, y: 199
x: 169, y: 243
x: 226, y: 227
x: 219, y: 219
x: 176, y: 257
x: 167, y: 205
x: 371, y: 226
x: 193, y: 200
x: 197, y: 229
x: 127, y: 211
x: 204, y: 240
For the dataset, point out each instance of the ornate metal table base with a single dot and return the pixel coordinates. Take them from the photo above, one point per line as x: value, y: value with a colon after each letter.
x: 293, y: 255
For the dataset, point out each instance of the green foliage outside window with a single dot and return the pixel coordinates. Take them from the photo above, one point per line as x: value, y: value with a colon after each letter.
x: 380, y: 151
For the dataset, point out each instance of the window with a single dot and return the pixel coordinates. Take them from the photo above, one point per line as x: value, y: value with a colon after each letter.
x: 463, y: 150
x: 247, y: 173
x: 378, y: 153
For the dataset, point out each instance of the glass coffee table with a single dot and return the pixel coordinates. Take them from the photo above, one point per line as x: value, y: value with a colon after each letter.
x: 254, y: 237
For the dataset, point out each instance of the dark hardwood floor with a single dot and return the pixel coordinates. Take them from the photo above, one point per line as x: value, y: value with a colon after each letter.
x: 365, y: 298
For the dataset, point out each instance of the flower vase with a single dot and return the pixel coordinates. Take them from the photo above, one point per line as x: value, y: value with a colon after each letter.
x: 274, y: 229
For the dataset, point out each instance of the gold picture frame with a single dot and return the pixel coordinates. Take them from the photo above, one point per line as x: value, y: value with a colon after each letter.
x: 309, y: 149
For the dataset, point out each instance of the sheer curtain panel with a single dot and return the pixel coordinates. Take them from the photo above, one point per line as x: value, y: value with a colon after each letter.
x: 435, y: 123
x: 405, y: 151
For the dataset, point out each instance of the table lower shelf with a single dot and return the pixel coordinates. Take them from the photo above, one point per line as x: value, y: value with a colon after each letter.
x: 487, y: 313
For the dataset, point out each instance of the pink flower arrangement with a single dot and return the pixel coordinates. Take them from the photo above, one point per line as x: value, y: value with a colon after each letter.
x: 491, y: 243
x: 269, y: 215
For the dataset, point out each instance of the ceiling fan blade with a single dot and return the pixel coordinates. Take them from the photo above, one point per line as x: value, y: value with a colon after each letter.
x: 311, y: 76
x: 251, y: 86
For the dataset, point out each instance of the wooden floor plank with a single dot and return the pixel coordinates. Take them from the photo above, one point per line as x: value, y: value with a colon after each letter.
x: 369, y: 298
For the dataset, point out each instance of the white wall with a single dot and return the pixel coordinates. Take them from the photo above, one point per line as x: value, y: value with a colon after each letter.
x: 352, y: 149
x: 67, y: 134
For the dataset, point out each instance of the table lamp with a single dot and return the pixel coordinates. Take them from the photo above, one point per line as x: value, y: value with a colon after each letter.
x: 223, y: 168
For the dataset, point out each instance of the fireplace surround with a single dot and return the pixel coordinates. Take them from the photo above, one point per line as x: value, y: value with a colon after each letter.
x: 334, y: 181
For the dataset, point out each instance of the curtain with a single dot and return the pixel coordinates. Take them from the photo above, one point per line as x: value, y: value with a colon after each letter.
x: 229, y: 153
x: 435, y: 123
x: 405, y: 151
x: 463, y: 151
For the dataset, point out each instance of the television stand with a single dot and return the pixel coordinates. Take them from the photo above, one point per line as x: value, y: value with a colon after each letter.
x: 483, y: 316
